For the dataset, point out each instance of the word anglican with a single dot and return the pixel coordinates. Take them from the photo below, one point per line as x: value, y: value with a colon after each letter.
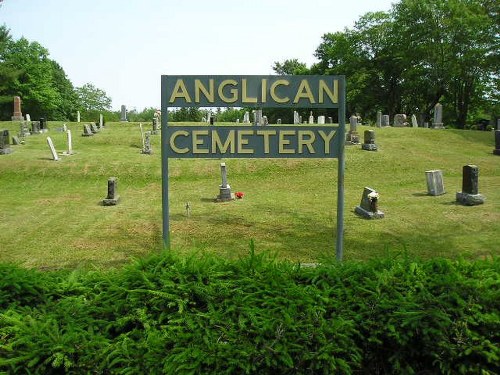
x: 305, y: 91
x: 244, y: 142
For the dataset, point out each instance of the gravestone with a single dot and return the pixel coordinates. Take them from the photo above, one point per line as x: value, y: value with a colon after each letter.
x: 296, y: 119
x: 400, y: 120
x: 257, y: 116
x: 414, y: 122
x: 224, y: 188
x: 278, y: 122
x: 496, y: 151
x: 5, y: 142
x: 16, y: 141
x: 321, y: 120
x: 101, y: 120
x: 300, y: 120
x: 17, y: 115
x: 211, y: 119
x: 237, y: 120
x: 469, y: 196
x: 87, y: 132
x: 52, y: 149
x: 112, y: 197
x: 65, y: 128
x: 246, y: 118
x: 43, y: 125
x: 24, y: 129
x: 369, y: 141
x: 352, y: 137
x: 368, y: 207
x: 147, y: 144
x: 35, y: 127
x: 311, y: 118
x: 426, y: 125
x: 93, y: 128
x: 77, y: 116
x: 438, y: 116
x: 330, y: 120
x: 155, y: 126
x: 70, y: 143
x: 28, y: 117
x: 379, y: 119
x: 435, y: 185
x: 385, y: 120
x: 123, y: 114
x: 265, y: 121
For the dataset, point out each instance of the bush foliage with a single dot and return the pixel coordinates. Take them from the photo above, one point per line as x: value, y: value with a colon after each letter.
x: 206, y: 315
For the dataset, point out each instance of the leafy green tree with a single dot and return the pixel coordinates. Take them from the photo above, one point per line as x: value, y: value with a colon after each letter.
x: 291, y: 67
x: 92, y: 98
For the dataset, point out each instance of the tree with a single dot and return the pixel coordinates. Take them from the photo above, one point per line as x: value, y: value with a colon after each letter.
x: 291, y: 67
x: 92, y: 98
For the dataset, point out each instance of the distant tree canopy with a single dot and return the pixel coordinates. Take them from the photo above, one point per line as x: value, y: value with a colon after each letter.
x: 419, y: 53
x: 27, y: 71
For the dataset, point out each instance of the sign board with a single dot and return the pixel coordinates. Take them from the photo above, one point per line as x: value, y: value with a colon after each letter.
x: 299, y: 141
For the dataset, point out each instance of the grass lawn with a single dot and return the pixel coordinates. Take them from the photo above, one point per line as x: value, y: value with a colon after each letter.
x: 51, y: 216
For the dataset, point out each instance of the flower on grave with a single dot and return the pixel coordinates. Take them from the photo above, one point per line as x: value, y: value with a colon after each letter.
x: 239, y: 194
x: 373, y: 196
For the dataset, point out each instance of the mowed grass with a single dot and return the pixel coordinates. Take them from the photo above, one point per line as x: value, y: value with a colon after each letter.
x: 51, y: 216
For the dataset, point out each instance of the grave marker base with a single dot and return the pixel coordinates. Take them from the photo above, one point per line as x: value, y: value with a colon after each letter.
x: 470, y: 199
x: 369, y: 147
x: 368, y: 214
x: 111, y: 201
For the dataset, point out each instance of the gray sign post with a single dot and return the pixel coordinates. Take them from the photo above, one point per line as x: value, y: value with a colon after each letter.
x: 325, y: 141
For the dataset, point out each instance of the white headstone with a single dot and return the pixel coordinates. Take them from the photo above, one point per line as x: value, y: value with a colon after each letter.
x: 321, y: 120
x: 28, y: 117
x: 65, y: 128
x: 246, y: 118
x: 414, y: 122
x: 70, y: 142
x: 296, y: 118
x: 379, y: 119
x: 142, y: 135
x: 77, y: 116
x: 435, y: 184
x: 52, y: 149
x: 101, y: 120
x: 311, y: 118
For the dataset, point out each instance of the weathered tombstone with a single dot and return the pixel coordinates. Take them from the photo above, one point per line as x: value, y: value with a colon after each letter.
x: 321, y: 120
x: 17, y: 115
x: 43, y: 125
x: 52, y: 149
x: 87, y: 132
x: 435, y: 185
x: 352, y: 136
x: 278, y: 122
x: 101, y: 120
x: 368, y: 207
x: 24, y: 129
x: 296, y: 119
x: 15, y: 140
x: 93, y: 128
x: 147, y: 144
x: 496, y: 151
x: 369, y: 141
x: 112, y: 197
x: 258, y: 117
x: 400, y: 120
x: 211, y: 119
x: 224, y: 188
x: 330, y: 120
x: 379, y: 119
x: 438, y: 116
x: 385, y: 120
x: 35, y: 127
x: 469, y: 196
x: 70, y: 143
x: 123, y: 114
x: 5, y: 142
x: 28, y: 117
x: 246, y: 118
x: 237, y: 120
x: 77, y: 116
x: 311, y: 118
x: 64, y: 128
x: 300, y: 120
x: 426, y: 125
x: 265, y: 121
x: 155, y: 126
x: 414, y: 122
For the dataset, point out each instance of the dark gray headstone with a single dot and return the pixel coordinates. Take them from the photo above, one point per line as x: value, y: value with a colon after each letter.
x: 5, y: 142
x: 368, y: 207
x: 112, y: 197
x: 369, y: 141
x: 496, y: 151
x: 469, y: 195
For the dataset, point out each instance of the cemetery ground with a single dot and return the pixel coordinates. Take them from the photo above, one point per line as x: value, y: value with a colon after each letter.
x: 51, y: 215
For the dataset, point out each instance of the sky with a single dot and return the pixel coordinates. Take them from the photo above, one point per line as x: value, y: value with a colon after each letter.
x: 124, y: 46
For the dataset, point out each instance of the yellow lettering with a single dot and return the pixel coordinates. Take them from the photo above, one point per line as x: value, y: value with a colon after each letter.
x: 244, y: 141
x: 244, y: 96
x: 233, y: 91
x: 172, y: 142
x: 222, y: 147
x: 283, y: 142
x: 266, y: 134
x: 304, y: 91
x: 264, y: 90
x: 197, y: 141
x: 333, y: 95
x: 180, y: 91
x: 302, y: 141
x: 275, y: 97
x: 199, y: 88
x: 327, y: 138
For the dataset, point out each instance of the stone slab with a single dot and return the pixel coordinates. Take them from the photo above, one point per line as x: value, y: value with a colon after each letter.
x: 470, y: 199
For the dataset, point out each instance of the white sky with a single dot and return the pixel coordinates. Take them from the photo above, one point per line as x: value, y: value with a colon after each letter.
x: 124, y: 46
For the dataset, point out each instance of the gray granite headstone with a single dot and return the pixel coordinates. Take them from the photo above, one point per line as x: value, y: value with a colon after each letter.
x: 123, y: 114
x: 438, y: 116
x: 469, y: 196
x: 147, y: 144
x: 435, y: 185
x: 265, y: 121
x: 278, y: 122
x: 414, y: 122
x: 426, y: 125
x: 224, y: 188
x: 5, y: 142
x: 15, y: 140
x: 43, y: 125
x: 400, y: 120
x: 368, y: 207
x: 93, y: 128
x: 35, y: 127
x: 369, y: 141
x: 296, y: 119
x: 87, y: 132
x: 496, y: 151
x: 112, y: 197
x: 24, y: 129
x: 352, y: 136
x: 155, y: 126
x: 379, y: 119
x: 385, y: 120
x: 330, y: 120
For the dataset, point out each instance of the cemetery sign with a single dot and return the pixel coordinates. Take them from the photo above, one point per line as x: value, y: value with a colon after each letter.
x: 254, y: 141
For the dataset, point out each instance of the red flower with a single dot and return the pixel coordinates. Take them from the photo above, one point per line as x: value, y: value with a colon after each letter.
x: 239, y: 194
